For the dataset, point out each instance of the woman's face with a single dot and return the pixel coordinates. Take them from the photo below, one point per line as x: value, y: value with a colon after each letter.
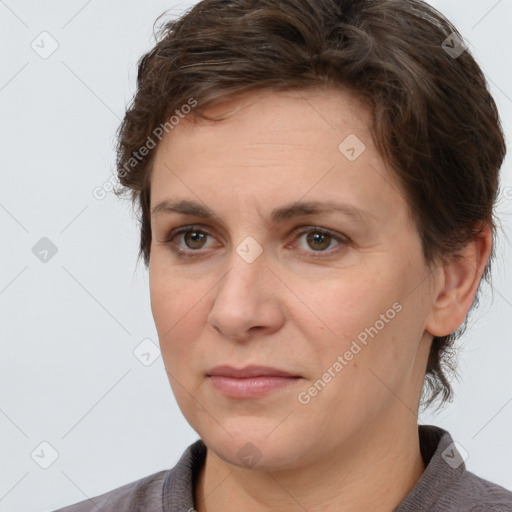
x: 345, y: 313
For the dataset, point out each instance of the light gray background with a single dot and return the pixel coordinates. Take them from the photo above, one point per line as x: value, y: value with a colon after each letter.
x: 68, y: 374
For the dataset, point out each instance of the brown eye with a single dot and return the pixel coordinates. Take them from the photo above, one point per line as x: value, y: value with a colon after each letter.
x: 187, y: 241
x: 194, y: 239
x: 318, y: 241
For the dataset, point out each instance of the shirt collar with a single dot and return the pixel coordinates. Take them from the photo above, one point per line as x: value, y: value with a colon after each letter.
x: 444, y: 466
x: 443, y: 463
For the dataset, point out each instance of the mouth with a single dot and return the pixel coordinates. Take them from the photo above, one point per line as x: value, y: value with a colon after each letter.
x: 249, y: 382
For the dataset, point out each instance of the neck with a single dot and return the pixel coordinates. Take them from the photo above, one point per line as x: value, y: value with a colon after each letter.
x: 377, y: 474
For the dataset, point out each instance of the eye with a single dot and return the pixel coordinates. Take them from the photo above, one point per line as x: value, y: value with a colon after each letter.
x: 320, y: 239
x: 195, y: 238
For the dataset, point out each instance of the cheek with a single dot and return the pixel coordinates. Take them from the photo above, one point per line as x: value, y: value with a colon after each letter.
x: 339, y: 309
x: 174, y: 305
x: 176, y: 323
x: 172, y: 297
x: 362, y: 318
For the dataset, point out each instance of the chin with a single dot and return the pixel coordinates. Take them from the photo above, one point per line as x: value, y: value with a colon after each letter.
x: 259, y: 448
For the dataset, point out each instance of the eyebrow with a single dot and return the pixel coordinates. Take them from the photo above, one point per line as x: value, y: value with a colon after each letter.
x: 286, y: 212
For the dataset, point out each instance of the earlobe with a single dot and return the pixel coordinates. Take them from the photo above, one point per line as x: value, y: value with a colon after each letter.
x: 457, y: 288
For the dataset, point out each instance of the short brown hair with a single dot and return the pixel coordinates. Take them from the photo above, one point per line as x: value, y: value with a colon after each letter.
x: 434, y: 120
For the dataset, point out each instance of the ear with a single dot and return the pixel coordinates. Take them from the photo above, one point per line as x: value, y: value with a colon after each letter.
x: 458, y: 286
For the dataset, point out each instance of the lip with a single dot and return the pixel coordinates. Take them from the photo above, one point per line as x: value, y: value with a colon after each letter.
x: 249, y: 382
x: 249, y: 371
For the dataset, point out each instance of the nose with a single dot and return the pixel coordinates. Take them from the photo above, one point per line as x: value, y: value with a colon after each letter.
x: 247, y: 299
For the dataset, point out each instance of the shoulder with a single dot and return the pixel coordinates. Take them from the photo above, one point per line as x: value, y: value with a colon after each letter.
x: 484, y: 496
x: 446, y: 485
x: 143, y: 495
x: 167, y: 490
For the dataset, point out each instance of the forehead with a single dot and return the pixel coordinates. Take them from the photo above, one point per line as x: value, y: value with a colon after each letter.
x: 274, y: 146
x: 261, y: 115
x: 261, y: 127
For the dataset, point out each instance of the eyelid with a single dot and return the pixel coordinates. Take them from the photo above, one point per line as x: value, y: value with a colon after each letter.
x: 342, y: 240
x: 167, y: 239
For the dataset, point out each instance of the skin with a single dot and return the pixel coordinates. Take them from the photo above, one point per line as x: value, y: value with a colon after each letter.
x: 289, y: 310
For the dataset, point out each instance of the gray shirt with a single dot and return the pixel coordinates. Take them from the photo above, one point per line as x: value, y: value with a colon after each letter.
x: 444, y: 486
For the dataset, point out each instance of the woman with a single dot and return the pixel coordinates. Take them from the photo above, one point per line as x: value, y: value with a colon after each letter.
x: 316, y: 182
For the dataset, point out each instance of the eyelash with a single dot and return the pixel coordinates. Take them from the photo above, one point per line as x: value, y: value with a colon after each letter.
x: 342, y: 240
